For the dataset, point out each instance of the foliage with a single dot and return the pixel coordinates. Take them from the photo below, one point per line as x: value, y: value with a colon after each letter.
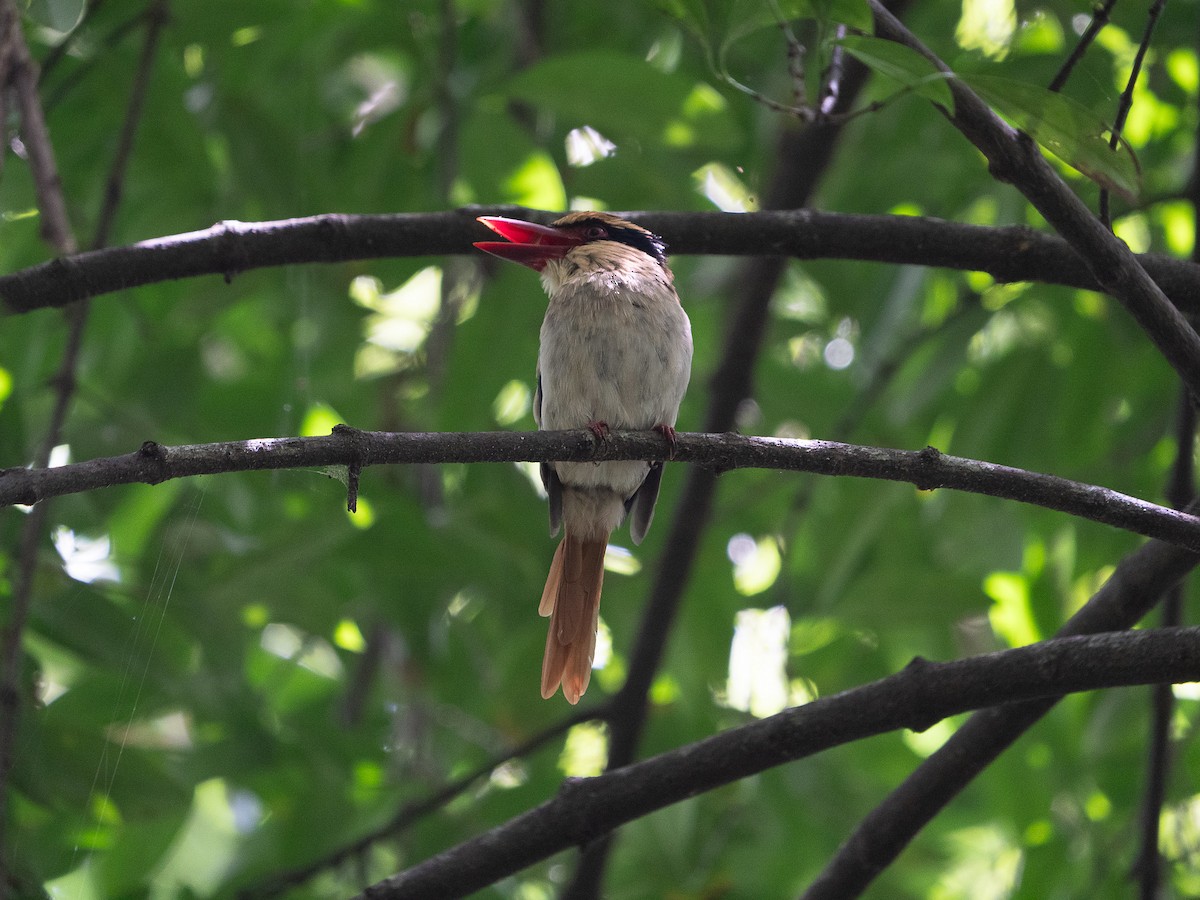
x: 229, y: 678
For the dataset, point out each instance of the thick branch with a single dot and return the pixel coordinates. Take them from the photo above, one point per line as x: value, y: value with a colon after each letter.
x: 915, y: 698
x: 927, y: 469
x: 1010, y: 253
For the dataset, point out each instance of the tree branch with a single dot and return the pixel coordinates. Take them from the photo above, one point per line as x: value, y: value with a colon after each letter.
x: 927, y: 469
x: 1007, y: 253
x: 1125, y: 104
x: 1134, y: 588
x: 55, y: 228
x: 1146, y: 870
x: 1013, y: 157
x: 1099, y: 20
x: 52, y: 206
x: 916, y: 698
x: 156, y: 19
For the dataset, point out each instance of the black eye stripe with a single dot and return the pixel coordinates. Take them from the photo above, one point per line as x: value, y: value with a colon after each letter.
x: 650, y: 244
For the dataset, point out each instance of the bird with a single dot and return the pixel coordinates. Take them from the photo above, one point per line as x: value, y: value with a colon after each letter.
x: 615, y: 353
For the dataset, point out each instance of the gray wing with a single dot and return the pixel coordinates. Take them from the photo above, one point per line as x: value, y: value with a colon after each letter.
x: 537, y: 397
x: 641, y: 504
x: 549, y: 476
x: 554, y: 494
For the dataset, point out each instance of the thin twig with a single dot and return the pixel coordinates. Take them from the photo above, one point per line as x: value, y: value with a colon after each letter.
x: 1147, y: 867
x: 55, y: 223
x: 8, y: 37
x: 795, y: 58
x: 1099, y: 20
x: 1126, y: 102
x: 156, y: 18
x: 412, y: 813
x: 832, y: 76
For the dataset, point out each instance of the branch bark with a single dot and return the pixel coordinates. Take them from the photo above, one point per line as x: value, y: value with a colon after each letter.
x: 1007, y: 253
x: 916, y: 698
x: 926, y: 469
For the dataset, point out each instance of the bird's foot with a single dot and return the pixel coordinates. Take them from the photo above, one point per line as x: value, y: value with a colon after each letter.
x: 668, y: 432
x: 599, y: 430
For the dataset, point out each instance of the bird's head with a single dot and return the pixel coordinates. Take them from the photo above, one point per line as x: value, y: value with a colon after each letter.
x: 536, y: 245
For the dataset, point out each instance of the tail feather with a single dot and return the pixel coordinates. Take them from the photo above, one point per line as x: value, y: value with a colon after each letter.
x: 550, y: 591
x: 572, y: 599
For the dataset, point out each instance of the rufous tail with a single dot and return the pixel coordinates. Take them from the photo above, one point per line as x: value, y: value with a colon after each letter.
x: 572, y: 600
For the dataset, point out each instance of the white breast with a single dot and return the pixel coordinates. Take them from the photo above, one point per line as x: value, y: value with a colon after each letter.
x: 616, y: 347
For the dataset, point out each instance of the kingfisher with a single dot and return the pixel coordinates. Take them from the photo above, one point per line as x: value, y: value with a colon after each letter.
x: 615, y: 352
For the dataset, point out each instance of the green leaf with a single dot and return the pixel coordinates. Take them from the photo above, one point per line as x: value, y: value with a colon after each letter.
x: 903, y: 65
x: 1066, y: 128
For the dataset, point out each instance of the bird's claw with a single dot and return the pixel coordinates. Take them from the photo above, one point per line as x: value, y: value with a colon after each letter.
x: 668, y: 432
x: 599, y: 430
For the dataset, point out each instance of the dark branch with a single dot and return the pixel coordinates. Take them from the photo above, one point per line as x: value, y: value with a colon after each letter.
x: 1008, y: 253
x: 927, y: 469
x: 1099, y: 20
x: 52, y: 206
x: 156, y: 19
x: 1125, y: 104
x: 1147, y: 866
x: 920, y: 695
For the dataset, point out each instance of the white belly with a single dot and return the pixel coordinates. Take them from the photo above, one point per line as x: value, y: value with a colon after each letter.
x: 612, y: 355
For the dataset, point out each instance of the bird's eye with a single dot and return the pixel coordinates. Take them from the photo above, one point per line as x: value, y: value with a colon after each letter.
x: 596, y: 233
